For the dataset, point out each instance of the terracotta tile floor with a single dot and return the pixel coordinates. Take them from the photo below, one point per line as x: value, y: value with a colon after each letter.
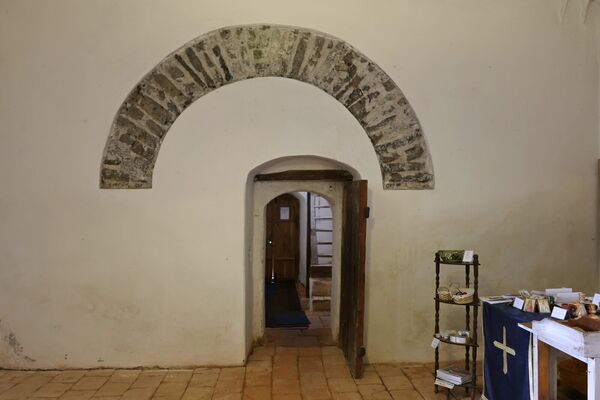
x: 293, y: 364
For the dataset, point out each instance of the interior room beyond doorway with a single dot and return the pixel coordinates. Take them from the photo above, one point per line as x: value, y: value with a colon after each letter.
x: 264, y: 192
x: 298, y: 264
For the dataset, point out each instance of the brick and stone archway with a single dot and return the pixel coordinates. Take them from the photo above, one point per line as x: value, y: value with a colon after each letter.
x: 236, y: 53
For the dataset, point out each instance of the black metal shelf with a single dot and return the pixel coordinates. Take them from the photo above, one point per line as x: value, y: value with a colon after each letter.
x: 470, y: 319
x: 456, y: 263
x: 463, y: 385
x: 474, y: 302
x: 469, y: 343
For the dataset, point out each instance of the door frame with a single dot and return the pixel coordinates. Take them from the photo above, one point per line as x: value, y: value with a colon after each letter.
x: 263, y: 192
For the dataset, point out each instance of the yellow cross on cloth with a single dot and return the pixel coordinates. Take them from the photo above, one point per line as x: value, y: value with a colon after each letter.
x: 505, y: 350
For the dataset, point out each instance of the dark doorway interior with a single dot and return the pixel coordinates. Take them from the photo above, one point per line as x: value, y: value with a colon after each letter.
x: 282, y: 303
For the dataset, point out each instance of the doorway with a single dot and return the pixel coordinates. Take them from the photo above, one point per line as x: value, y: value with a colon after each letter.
x: 282, y: 267
x: 298, y: 261
x: 349, y: 212
x: 263, y: 192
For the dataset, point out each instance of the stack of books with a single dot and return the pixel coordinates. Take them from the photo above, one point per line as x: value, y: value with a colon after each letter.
x: 497, y: 299
x: 448, y: 377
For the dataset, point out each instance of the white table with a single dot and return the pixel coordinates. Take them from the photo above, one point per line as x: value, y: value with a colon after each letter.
x: 545, y: 350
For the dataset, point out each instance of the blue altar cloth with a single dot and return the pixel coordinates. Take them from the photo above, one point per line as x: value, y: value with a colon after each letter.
x: 506, y: 365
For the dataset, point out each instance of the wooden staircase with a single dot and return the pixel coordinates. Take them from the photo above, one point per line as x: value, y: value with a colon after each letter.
x: 321, y: 253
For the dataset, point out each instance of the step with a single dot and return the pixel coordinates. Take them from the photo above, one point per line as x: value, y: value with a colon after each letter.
x: 320, y: 287
x: 320, y: 305
x: 320, y: 271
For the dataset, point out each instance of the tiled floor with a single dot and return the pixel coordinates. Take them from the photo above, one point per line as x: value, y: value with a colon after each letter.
x: 293, y: 364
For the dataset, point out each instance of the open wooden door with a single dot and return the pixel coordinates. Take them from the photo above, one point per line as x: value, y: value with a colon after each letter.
x: 352, y: 296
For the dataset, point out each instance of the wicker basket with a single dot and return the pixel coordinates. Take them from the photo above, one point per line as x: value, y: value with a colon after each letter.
x: 444, y: 293
x: 463, y: 296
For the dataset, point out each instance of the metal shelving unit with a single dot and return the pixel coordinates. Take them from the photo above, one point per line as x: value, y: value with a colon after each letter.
x: 470, y: 320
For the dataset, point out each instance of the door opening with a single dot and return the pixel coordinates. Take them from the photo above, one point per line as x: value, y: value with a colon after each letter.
x: 347, y: 197
x: 298, y: 260
x: 282, y: 264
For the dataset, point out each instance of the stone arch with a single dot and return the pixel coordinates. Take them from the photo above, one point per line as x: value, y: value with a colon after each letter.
x: 236, y: 53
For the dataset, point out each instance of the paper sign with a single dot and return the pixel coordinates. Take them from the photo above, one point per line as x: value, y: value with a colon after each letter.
x: 554, y: 292
x: 284, y: 213
x: 596, y: 299
x: 558, y: 313
x: 435, y: 342
x: 567, y: 297
x: 468, y: 256
x: 518, y: 303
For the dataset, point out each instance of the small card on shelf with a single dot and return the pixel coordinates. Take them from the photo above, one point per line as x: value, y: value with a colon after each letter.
x: 558, y: 312
x: 468, y: 256
x: 518, y: 303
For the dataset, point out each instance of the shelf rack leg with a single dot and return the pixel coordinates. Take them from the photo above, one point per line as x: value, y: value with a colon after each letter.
x: 437, y: 316
x: 475, y: 309
x: 468, y: 319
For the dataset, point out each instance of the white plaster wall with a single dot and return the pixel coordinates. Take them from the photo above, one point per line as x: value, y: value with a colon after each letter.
x: 301, y: 196
x: 506, y: 94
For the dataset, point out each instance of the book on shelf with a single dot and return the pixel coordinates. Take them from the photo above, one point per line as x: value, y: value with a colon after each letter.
x: 453, y: 375
x: 497, y: 299
x: 443, y: 383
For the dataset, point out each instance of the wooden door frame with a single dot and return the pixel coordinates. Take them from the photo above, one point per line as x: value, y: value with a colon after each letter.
x: 308, y: 245
x: 329, y: 175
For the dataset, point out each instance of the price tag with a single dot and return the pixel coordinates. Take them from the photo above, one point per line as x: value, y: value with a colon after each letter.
x: 435, y: 343
x: 518, y: 303
x: 468, y: 256
x: 596, y: 299
x: 558, y: 312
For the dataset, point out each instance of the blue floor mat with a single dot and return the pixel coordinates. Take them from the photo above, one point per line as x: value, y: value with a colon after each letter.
x: 282, y: 306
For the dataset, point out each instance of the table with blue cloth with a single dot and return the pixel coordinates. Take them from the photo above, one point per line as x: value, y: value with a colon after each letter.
x: 507, y: 366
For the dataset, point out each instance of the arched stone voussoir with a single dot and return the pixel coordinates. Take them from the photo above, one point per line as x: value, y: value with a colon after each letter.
x: 236, y: 53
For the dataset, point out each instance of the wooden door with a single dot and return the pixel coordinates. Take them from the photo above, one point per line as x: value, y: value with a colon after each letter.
x: 283, y: 238
x: 352, y: 296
